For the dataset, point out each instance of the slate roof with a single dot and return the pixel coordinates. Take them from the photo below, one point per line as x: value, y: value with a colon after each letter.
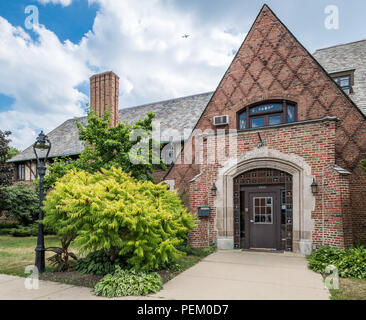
x: 176, y: 114
x: 345, y: 57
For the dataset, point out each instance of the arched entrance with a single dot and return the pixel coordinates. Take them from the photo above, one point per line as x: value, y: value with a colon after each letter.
x: 263, y: 212
x: 303, y: 201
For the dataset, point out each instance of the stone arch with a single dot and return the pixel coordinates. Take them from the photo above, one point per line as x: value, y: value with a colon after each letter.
x: 303, y: 199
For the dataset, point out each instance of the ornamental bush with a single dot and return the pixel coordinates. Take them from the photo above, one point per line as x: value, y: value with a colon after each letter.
x: 111, y: 211
x: 128, y: 283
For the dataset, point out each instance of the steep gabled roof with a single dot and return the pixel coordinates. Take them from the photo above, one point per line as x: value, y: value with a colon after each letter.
x: 176, y: 114
x: 346, y: 57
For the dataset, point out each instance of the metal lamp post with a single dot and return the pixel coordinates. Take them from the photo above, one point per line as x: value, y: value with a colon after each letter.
x: 42, y: 144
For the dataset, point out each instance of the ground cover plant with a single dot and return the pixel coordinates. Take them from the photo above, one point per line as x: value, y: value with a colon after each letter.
x: 128, y: 283
x: 351, y: 263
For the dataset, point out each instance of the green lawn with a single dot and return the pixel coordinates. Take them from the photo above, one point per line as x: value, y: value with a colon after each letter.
x: 17, y: 253
x: 350, y: 289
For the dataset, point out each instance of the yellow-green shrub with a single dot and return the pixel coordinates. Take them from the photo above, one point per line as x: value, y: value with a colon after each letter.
x: 112, y: 211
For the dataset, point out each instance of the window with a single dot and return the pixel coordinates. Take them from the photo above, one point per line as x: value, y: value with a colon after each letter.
x: 344, y: 83
x: 267, y: 114
x: 345, y: 79
x: 263, y: 210
x: 21, y: 172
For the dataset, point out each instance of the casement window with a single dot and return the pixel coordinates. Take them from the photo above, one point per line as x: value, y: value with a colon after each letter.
x: 267, y: 114
x: 21, y: 172
x: 345, y: 80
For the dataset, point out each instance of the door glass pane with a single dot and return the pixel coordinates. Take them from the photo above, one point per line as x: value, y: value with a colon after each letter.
x: 273, y: 120
x: 257, y: 122
x: 263, y: 210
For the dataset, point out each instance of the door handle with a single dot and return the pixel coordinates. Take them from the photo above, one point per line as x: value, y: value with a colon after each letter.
x: 251, y: 221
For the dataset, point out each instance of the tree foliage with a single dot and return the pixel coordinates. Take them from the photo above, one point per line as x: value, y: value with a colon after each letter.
x: 21, y: 203
x: 6, y: 169
x: 106, y: 147
x: 12, y: 152
x: 112, y: 211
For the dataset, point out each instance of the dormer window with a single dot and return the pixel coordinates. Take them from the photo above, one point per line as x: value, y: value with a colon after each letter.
x: 267, y: 114
x: 344, y: 83
x: 345, y: 80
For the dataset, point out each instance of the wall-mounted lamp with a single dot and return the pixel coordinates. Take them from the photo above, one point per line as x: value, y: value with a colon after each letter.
x: 214, y: 190
x: 314, y: 187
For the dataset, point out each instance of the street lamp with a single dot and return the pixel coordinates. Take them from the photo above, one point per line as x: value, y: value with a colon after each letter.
x: 41, y: 149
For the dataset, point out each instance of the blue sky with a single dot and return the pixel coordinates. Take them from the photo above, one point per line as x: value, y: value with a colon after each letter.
x: 44, y: 71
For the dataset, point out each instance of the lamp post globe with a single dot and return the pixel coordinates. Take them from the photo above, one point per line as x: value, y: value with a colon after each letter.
x: 41, y: 149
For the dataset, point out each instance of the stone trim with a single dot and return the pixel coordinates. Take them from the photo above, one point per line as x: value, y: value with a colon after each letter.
x: 303, y: 199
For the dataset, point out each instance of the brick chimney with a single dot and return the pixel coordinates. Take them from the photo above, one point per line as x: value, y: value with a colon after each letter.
x: 104, y: 92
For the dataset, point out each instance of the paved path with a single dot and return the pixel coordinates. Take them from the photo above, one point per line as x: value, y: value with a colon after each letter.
x: 238, y: 275
x: 222, y: 275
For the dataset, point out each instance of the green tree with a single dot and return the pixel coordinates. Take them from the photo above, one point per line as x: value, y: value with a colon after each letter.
x: 6, y: 169
x: 12, y: 152
x: 110, y: 147
x: 112, y: 211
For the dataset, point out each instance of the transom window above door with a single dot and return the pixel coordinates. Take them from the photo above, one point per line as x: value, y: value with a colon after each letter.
x: 267, y: 114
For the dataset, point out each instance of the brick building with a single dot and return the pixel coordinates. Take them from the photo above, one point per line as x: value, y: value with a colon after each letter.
x: 271, y: 158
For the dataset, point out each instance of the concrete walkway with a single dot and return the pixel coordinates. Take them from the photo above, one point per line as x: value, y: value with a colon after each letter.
x: 243, y: 275
x: 234, y: 275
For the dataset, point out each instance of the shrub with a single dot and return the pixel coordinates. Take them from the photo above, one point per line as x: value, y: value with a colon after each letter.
x: 25, y: 231
x: 98, y: 263
x: 128, y: 283
x: 351, y: 263
x: 21, y: 203
x: 5, y: 232
x: 8, y: 225
x: 112, y: 211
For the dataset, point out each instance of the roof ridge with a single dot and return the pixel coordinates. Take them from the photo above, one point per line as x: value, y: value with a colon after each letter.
x: 341, y: 44
x: 152, y: 103
x: 168, y: 100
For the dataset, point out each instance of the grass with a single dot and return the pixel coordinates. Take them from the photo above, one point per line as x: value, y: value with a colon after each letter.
x: 18, y: 253
x: 350, y: 289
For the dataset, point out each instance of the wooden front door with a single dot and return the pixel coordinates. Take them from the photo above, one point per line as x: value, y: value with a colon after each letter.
x: 262, y: 213
x: 258, y: 183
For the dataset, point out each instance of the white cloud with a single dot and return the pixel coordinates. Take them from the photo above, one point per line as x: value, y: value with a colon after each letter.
x: 141, y: 41
x: 64, y: 3
x: 41, y: 76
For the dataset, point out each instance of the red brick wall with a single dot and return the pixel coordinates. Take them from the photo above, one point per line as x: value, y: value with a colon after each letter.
x: 272, y: 64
